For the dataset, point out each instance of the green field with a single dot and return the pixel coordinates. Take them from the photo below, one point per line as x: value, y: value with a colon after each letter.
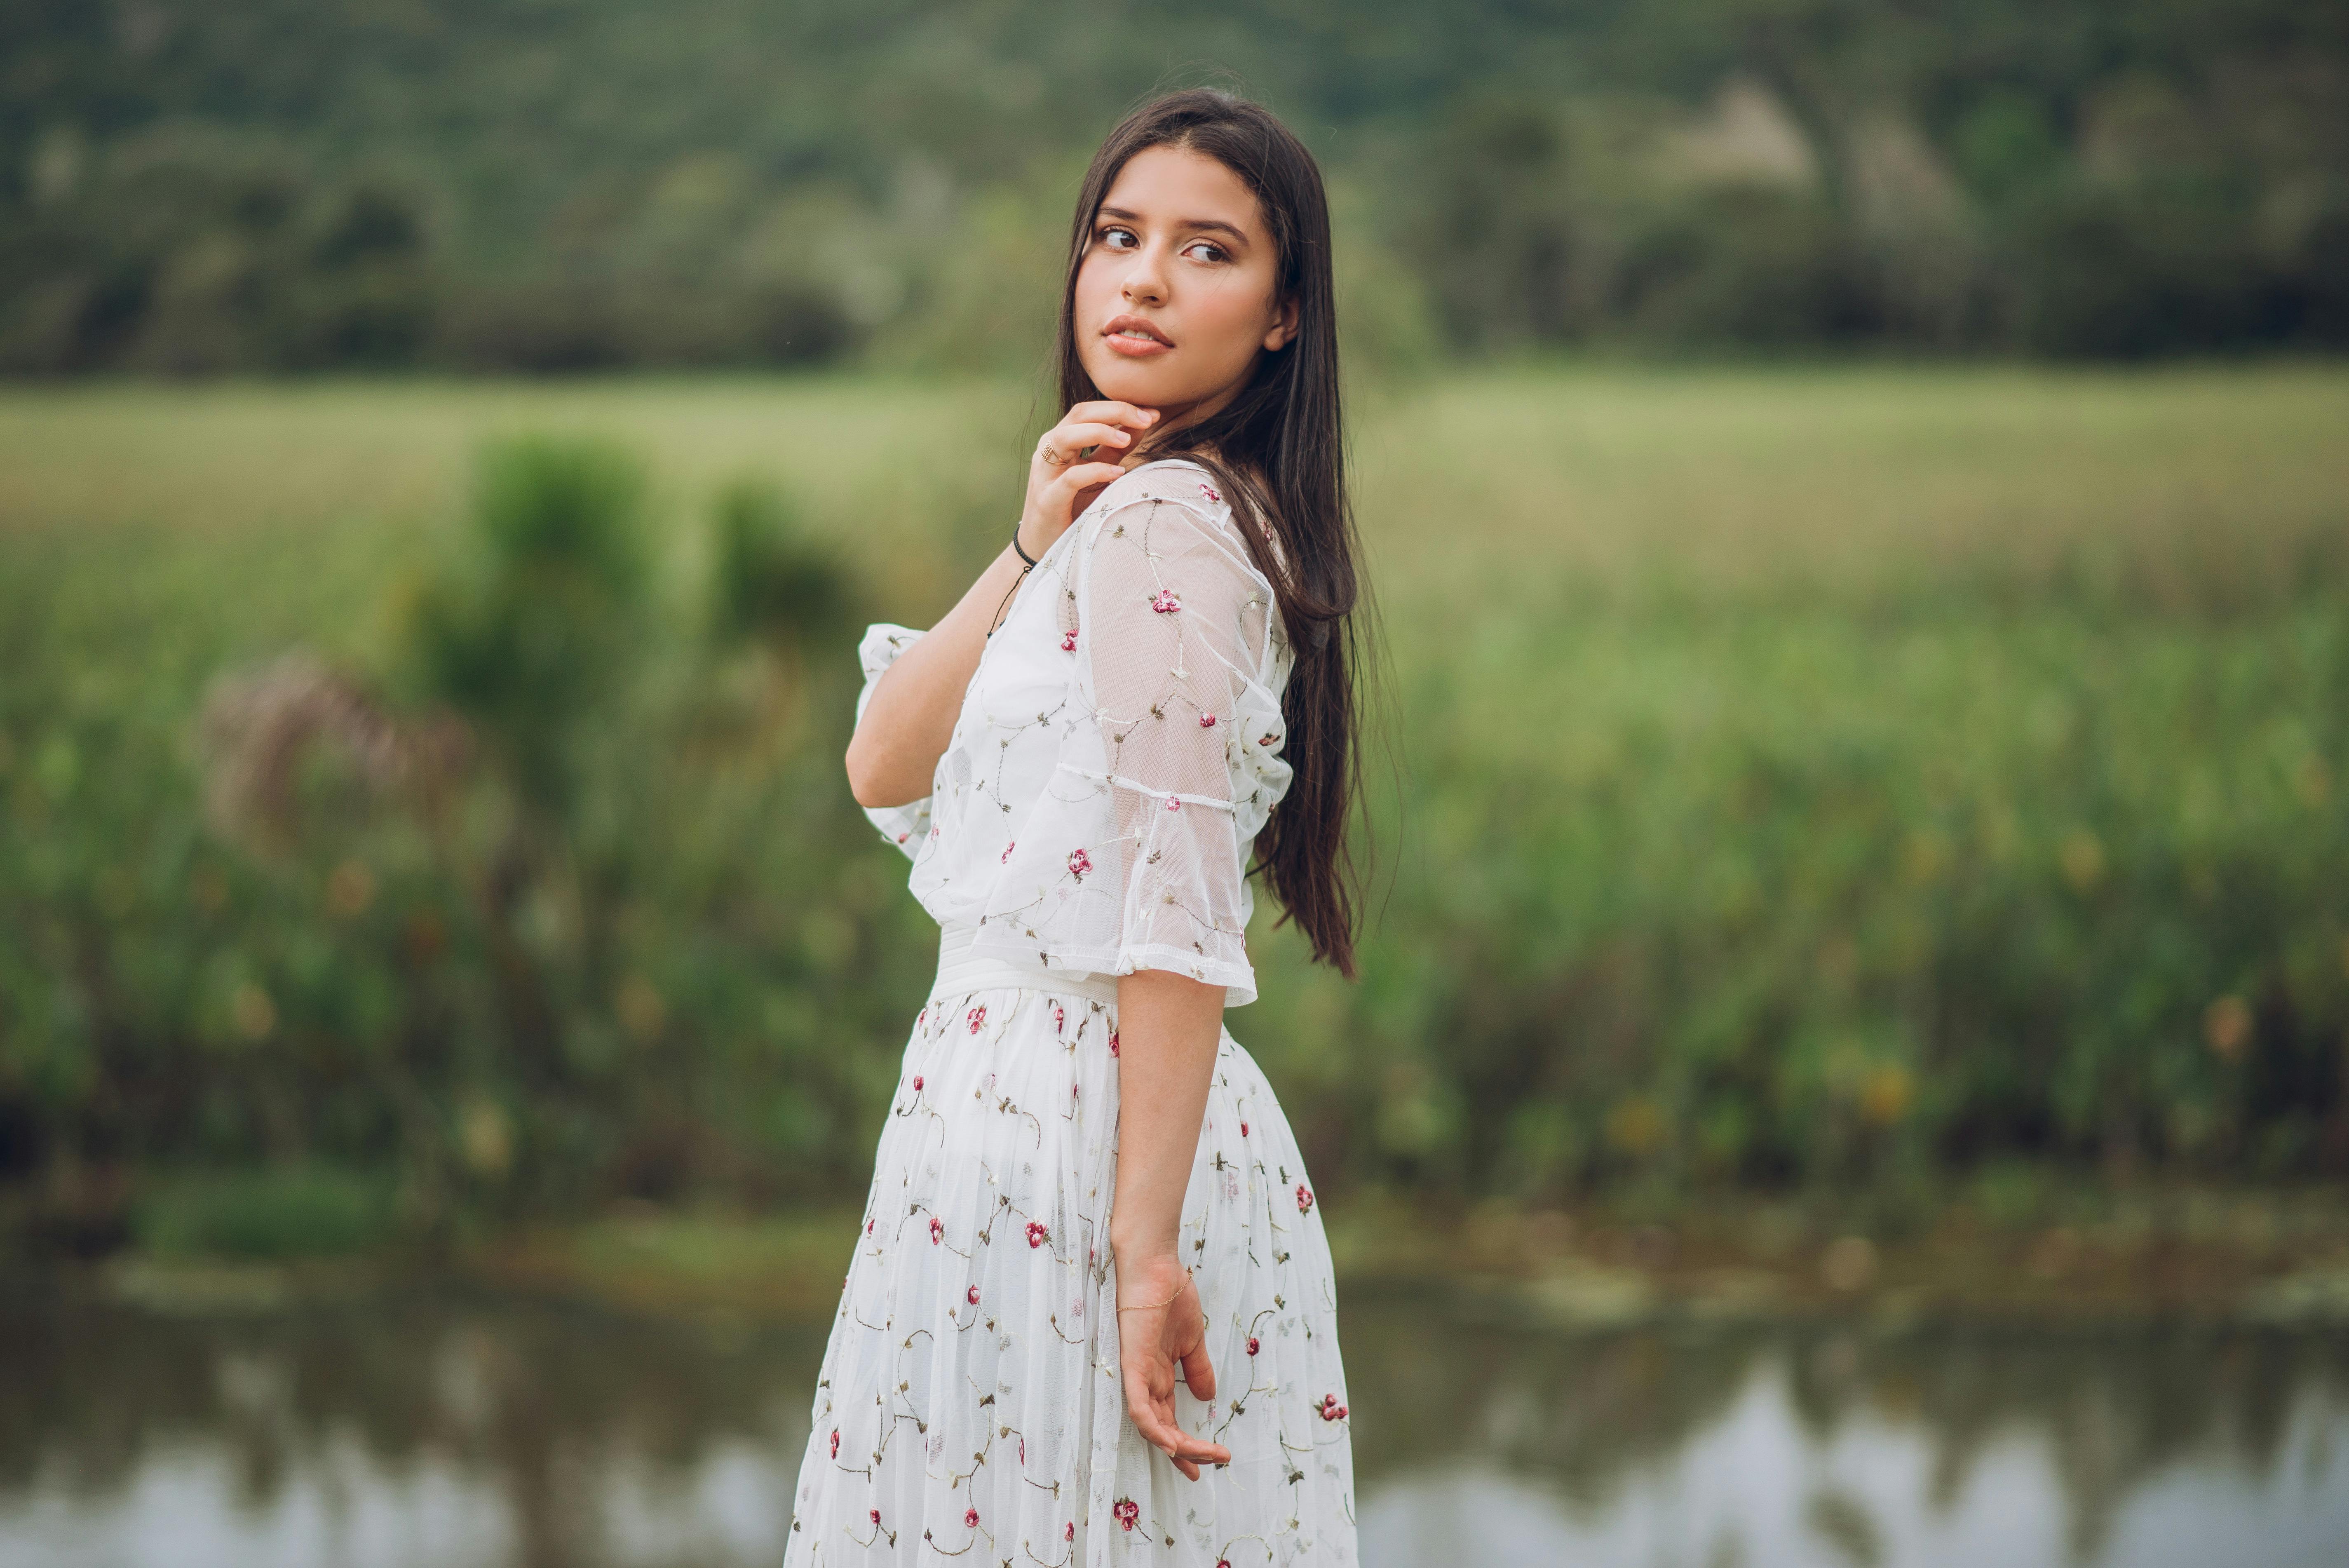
x: 1794, y: 776
x: 1732, y: 479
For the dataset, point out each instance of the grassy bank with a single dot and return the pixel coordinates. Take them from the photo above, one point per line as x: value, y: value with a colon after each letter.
x: 1803, y: 779
x: 2011, y: 1249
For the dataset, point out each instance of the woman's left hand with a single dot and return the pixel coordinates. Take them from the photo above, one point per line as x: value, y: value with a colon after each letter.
x: 1161, y: 1326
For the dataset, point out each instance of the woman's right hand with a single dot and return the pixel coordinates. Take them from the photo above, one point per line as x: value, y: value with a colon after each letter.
x: 1162, y: 1328
x: 1059, y: 484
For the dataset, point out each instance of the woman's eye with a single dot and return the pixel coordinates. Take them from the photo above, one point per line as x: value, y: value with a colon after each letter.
x: 1111, y: 238
x: 1208, y: 250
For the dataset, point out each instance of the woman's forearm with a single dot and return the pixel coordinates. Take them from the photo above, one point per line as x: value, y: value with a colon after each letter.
x: 910, y: 717
x: 907, y: 724
x: 1168, y: 1029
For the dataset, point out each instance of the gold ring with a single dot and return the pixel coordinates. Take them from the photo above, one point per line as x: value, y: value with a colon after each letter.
x: 1053, y: 457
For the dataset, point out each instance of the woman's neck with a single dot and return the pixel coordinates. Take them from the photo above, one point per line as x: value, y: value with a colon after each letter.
x: 1154, y: 450
x: 1172, y: 422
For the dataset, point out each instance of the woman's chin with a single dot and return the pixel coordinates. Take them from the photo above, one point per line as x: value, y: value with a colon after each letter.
x: 1128, y: 382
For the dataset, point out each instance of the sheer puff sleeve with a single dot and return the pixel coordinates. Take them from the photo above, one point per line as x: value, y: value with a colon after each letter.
x: 905, y: 826
x: 1170, y: 757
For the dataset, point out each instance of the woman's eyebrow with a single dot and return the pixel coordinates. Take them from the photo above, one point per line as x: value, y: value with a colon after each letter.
x: 1237, y: 234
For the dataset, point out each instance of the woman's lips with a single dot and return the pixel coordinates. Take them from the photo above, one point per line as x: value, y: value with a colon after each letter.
x: 1136, y: 338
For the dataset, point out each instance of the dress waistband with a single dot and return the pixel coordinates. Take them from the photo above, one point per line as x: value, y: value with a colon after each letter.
x: 961, y: 970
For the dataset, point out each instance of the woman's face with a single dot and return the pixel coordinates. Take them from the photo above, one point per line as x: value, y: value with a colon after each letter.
x: 1175, y: 290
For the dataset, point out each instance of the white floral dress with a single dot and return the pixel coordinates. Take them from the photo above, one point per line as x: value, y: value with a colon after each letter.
x: 1116, y: 753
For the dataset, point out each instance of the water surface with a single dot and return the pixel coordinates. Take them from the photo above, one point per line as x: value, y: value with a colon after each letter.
x: 439, y: 1427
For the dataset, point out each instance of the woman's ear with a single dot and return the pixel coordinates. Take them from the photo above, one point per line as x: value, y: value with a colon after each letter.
x: 1283, y: 327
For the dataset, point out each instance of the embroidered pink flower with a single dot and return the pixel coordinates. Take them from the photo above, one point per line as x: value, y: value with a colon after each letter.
x: 1037, y: 1234
x: 836, y: 1442
x: 1078, y: 864
x: 1330, y: 1410
x: 976, y: 1017
x: 875, y: 1515
x: 1126, y: 1511
x: 1165, y: 602
x: 1206, y: 720
x: 1174, y: 804
x: 917, y: 1082
x: 1060, y: 1019
x: 1069, y: 640
x: 1069, y: 1532
x: 937, y: 1230
x: 970, y: 1518
x: 1112, y: 1041
x: 1007, y: 851
x: 971, y: 1296
x: 1304, y: 1199
x: 1209, y: 491
x: 903, y: 837
x: 1244, y: 1130
x: 1223, y: 1563
x: 1267, y: 739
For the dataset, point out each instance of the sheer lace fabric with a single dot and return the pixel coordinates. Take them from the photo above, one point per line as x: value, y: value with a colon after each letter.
x: 1118, y: 750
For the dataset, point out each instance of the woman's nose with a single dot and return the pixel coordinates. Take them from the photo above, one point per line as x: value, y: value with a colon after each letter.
x: 1144, y: 284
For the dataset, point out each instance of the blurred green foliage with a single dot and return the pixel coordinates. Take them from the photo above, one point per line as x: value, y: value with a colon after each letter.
x: 554, y: 905
x: 773, y: 582
x: 1786, y: 896
x: 294, y: 1213
x: 1792, y: 847
x: 556, y: 186
x: 527, y: 635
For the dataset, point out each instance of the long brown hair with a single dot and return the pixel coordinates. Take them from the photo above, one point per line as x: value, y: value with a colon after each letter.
x: 1279, y: 450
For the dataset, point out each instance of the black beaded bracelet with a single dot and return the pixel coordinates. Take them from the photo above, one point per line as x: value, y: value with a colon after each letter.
x: 1014, y: 543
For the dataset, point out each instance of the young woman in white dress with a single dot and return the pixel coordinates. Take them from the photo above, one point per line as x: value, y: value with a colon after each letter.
x: 1091, y: 1316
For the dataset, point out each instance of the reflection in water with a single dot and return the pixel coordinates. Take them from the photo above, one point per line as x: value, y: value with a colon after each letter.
x: 452, y: 1429
x: 1829, y: 1445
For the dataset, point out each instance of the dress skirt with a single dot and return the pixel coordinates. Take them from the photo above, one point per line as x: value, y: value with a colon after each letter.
x: 971, y: 1407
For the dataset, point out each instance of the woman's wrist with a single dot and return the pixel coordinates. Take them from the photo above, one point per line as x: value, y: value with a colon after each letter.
x: 1026, y: 544
x: 1133, y: 1254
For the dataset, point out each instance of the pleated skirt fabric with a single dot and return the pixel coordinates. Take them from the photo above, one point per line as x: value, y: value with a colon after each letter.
x: 970, y: 1408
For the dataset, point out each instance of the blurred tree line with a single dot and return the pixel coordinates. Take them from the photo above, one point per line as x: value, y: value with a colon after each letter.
x: 561, y: 184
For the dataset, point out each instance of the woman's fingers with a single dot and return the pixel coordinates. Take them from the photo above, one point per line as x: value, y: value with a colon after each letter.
x: 1101, y: 427
x: 1108, y: 413
x: 1062, y: 444
x: 1165, y: 1344
x: 1193, y: 1452
x: 1159, y: 1432
x: 1198, y: 1372
x: 1187, y: 1451
x: 1154, y: 1417
x: 1084, y: 476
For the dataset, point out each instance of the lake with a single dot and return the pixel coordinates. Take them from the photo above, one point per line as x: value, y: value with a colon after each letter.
x: 446, y: 1425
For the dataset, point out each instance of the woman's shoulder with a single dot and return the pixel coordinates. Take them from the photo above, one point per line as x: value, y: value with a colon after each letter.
x: 1183, y: 479
x: 1191, y: 487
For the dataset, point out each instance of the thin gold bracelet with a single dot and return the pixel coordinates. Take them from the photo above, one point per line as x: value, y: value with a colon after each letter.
x: 1152, y: 1306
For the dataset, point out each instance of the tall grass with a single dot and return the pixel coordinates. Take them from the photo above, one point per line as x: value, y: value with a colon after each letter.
x: 1800, y: 775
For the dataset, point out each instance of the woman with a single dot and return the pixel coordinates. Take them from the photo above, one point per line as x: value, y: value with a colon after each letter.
x: 1091, y: 1318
